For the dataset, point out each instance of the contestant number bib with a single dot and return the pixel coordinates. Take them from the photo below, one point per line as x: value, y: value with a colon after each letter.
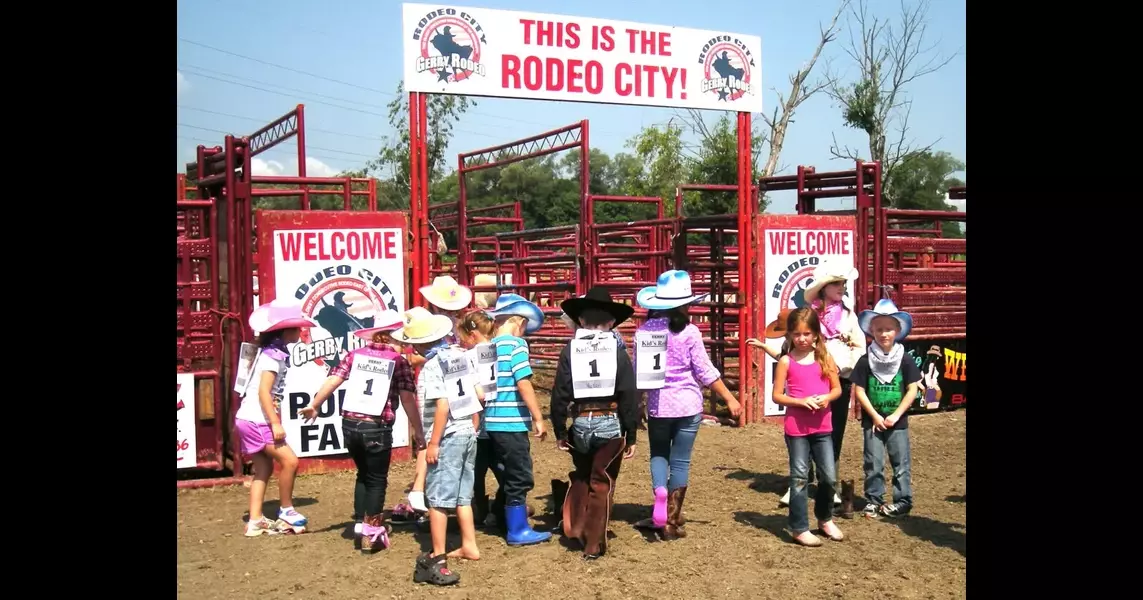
x: 484, y: 361
x: 367, y: 389
x: 459, y: 383
x: 650, y: 359
x: 593, y: 366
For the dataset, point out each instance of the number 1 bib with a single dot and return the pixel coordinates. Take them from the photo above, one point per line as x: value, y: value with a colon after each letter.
x: 484, y: 360
x: 593, y: 366
x: 459, y: 383
x: 650, y: 359
x: 367, y: 389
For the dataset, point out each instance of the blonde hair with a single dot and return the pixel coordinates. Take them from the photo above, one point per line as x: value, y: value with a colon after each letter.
x: 473, y: 321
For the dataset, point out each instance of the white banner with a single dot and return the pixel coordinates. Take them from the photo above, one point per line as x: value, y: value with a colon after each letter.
x: 186, y: 422
x: 791, y: 256
x: 342, y: 278
x: 511, y: 54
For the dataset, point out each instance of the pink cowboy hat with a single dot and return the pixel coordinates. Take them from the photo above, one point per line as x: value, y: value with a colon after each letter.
x: 386, y: 320
x: 278, y: 314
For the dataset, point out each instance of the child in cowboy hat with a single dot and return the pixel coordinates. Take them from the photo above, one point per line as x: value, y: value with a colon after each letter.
x: 513, y: 410
x: 367, y: 420
x: 844, y: 340
x: 886, y: 382
x: 451, y: 451
x: 445, y: 297
x: 675, y: 410
x: 602, y: 427
x: 258, y: 422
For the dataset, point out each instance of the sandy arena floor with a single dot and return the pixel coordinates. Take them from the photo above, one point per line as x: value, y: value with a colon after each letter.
x: 736, y: 547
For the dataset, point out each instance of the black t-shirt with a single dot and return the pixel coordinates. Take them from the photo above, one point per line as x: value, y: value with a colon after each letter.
x: 885, y: 398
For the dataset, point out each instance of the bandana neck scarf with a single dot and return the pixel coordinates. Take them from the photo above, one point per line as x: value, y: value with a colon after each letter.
x: 885, y: 365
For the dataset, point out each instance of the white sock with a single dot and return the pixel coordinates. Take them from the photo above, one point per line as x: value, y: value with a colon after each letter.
x: 357, y: 528
x: 285, y: 509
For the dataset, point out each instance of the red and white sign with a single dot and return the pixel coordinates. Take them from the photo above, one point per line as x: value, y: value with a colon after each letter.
x: 187, y: 449
x: 511, y: 54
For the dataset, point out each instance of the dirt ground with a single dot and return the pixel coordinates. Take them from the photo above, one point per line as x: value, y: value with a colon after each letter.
x: 736, y: 545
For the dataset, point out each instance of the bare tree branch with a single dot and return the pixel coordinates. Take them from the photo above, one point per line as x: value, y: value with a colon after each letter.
x: 889, y: 56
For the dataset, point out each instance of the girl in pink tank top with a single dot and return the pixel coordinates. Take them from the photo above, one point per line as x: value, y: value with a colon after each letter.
x: 805, y: 382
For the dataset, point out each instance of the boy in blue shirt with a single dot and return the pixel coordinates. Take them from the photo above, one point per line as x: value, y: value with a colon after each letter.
x: 513, y: 410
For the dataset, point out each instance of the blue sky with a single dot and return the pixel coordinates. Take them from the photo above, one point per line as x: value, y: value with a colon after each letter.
x: 358, y: 43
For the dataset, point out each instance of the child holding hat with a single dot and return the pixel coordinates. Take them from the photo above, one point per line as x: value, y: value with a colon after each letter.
x: 367, y: 419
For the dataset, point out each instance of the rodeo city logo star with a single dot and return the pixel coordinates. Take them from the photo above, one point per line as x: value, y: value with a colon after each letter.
x: 451, y: 43
x: 726, y: 68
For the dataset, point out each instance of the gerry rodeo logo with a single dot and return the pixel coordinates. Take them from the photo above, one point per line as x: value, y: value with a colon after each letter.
x: 324, y: 299
x: 793, y: 281
x: 451, y: 45
x: 726, y: 68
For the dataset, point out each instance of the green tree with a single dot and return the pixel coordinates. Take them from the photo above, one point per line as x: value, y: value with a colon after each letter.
x: 921, y: 181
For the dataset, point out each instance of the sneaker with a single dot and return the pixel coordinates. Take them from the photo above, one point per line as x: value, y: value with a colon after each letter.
x: 434, y: 570
x: 262, y: 526
x: 871, y: 511
x: 292, y: 517
x: 896, y: 509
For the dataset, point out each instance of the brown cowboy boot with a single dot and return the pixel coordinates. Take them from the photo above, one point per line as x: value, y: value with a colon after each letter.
x: 675, y: 520
x: 374, y: 536
x: 847, y: 499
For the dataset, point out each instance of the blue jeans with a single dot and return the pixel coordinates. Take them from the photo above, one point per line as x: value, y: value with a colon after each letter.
x: 896, y: 441
x: 672, y: 441
x: 589, y: 433
x: 801, y: 448
x: 448, y: 483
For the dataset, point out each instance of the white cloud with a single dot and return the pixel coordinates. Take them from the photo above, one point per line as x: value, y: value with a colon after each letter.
x: 181, y: 84
x: 314, y: 168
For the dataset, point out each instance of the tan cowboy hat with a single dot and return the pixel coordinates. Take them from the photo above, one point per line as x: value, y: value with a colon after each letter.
x: 827, y: 273
x: 422, y: 327
x: 445, y: 293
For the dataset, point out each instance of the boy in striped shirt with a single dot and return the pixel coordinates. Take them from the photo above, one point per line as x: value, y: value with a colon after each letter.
x: 513, y: 410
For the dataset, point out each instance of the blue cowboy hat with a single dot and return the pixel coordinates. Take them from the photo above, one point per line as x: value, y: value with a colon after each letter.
x: 672, y: 289
x: 517, y: 305
x: 886, y: 308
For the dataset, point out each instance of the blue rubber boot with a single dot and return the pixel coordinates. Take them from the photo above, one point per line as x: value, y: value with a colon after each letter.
x: 520, y: 533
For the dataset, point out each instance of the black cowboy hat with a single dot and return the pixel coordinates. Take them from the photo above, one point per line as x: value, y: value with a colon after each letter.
x: 597, y: 297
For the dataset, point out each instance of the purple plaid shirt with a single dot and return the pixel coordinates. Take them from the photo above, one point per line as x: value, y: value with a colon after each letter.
x: 688, y: 371
x: 403, y: 380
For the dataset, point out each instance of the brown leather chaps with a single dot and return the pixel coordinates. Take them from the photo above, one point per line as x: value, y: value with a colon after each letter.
x: 587, y: 508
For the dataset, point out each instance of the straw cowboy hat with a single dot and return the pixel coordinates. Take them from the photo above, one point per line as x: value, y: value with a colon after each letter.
x: 278, y: 314
x: 516, y: 305
x: 672, y: 289
x: 386, y: 320
x: 597, y: 297
x: 886, y: 308
x: 445, y: 293
x: 422, y: 327
x: 827, y: 273
x: 777, y: 328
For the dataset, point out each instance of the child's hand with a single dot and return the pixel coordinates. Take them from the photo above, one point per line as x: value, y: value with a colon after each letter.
x: 563, y: 445
x: 279, y: 433
x: 538, y: 427
x: 432, y: 454
x: 890, y: 421
x: 755, y: 342
x: 734, y: 407
x: 812, y: 403
x: 309, y: 414
x: 629, y: 453
x: 879, y: 423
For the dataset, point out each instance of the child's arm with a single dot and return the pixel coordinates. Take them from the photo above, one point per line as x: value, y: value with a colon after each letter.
x: 440, y: 421
x: 562, y: 395
x: 834, y: 382
x: 413, y: 412
x: 912, y: 374
x: 528, y: 395
x: 705, y: 371
x: 416, y: 360
x: 266, y: 401
x: 867, y: 406
x: 766, y: 347
x: 327, y: 389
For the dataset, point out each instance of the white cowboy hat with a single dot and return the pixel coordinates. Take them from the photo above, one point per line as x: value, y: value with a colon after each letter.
x: 517, y: 305
x: 386, y: 320
x: 422, y: 327
x: 278, y: 314
x: 827, y: 273
x: 672, y: 289
x: 445, y: 293
x: 886, y: 308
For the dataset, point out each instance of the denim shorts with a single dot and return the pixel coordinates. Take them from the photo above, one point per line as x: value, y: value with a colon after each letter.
x: 448, y: 483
